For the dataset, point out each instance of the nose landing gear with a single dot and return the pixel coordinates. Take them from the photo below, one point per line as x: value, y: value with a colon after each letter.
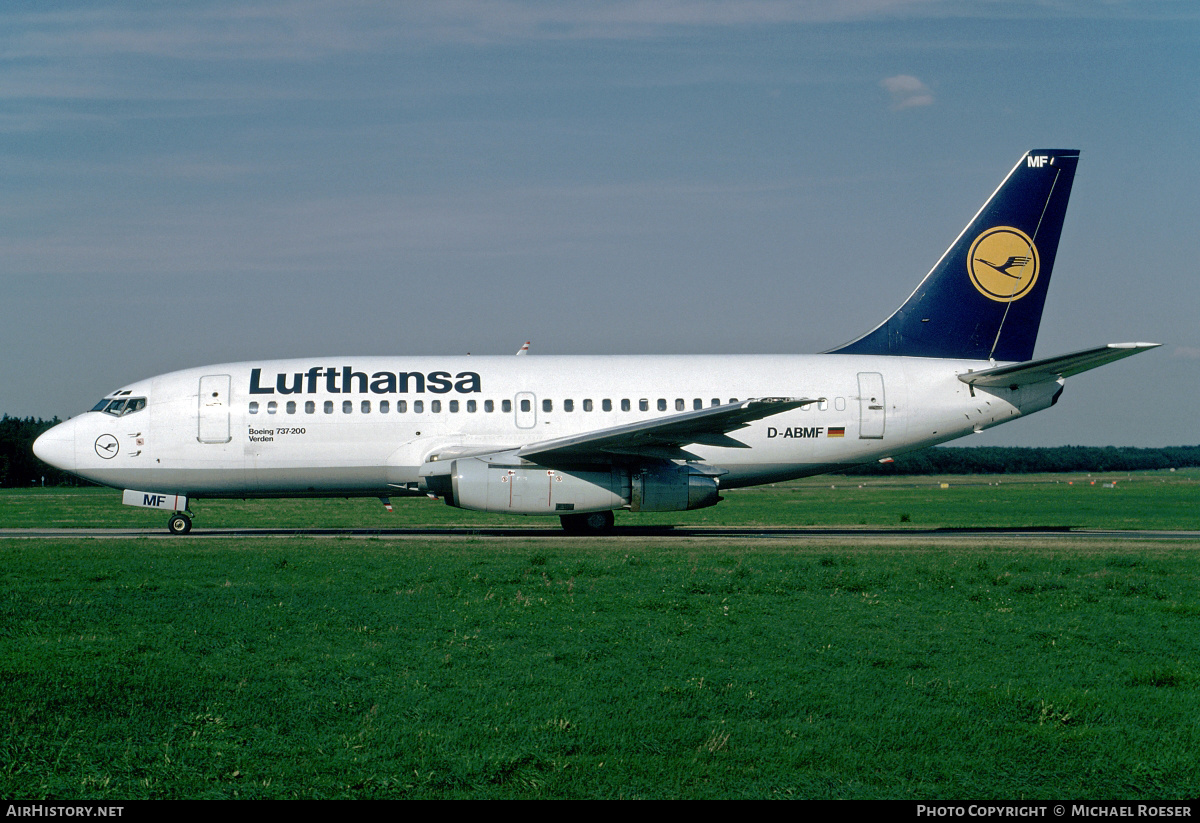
x: 179, y: 523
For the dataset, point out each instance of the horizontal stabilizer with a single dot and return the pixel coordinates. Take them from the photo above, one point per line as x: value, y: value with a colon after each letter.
x: 1053, y: 368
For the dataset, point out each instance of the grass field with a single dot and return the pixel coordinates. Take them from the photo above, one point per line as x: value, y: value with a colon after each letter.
x: 1149, y: 500
x: 654, y: 667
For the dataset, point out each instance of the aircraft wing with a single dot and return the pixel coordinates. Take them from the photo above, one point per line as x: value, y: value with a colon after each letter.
x: 662, y: 437
x: 1053, y: 368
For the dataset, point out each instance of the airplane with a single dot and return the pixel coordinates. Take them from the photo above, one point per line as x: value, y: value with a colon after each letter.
x: 580, y: 437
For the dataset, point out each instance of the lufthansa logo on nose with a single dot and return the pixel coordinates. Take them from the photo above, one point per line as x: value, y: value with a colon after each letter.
x: 1003, y: 264
x: 107, y: 446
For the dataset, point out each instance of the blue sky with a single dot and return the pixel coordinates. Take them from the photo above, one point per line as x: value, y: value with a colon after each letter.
x: 191, y: 183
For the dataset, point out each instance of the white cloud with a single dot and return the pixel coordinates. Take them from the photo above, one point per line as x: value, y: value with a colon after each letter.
x: 907, y: 91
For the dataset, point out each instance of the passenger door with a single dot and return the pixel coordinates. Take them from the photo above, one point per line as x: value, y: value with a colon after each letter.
x: 872, y: 406
x: 213, y: 409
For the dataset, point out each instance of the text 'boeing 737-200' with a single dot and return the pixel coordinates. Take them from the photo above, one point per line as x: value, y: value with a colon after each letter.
x: 580, y: 437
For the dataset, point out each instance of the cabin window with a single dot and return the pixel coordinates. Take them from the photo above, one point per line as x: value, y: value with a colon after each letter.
x: 606, y: 404
x: 418, y: 406
x: 697, y: 404
x: 291, y: 407
x: 643, y: 405
x: 625, y: 404
x: 568, y: 405
x: 366, y: 407
x: 823, y: 404
x: 254, y: 407
x: 662, y: 404
x: 471, y: 407
x: 678, y: 404
x: 309, y: 407
x: 524, y: 405
x: 454, y: 407
x: 383, y: 407
x: 272, y: 407
x: 587, y: 405
x: 506, y: 406
x: 716, y: 401
x: 401, y: 406
x: 489, y: 406
x: 435, y: 406
x: 329, y: 407
x: 347, y: 406
x: 547, y: 405
x: 839, y: 403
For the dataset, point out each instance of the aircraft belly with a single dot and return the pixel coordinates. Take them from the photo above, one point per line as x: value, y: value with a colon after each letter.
x: 223, y: 482
x: 332, y: 480
x: 336, y: 470
x: 755, y: 474
x: 218, y: 482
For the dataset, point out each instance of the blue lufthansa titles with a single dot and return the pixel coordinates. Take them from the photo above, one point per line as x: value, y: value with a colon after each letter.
x: 347, y: 381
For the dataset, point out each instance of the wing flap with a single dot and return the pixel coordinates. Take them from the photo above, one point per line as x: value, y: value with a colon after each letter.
x: 663, y: 437
x: 1053, y: 368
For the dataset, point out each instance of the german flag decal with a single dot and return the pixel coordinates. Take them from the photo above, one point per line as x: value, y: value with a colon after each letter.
x: 836, y: 431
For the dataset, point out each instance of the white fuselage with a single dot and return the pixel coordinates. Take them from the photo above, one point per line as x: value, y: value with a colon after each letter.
x: 365, y: 425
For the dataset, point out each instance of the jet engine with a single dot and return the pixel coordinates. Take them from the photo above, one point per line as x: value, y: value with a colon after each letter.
x: 491, y: 485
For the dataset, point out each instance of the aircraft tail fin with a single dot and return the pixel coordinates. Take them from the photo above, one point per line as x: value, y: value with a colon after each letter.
x: 983, y: 299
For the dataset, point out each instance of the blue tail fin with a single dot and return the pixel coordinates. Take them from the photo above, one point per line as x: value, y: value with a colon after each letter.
x: 983, y: 300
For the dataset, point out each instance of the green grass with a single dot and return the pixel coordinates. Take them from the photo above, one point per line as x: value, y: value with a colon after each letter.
x: 560, y: 667
x: 308, y: 667
x: 1140, y: 500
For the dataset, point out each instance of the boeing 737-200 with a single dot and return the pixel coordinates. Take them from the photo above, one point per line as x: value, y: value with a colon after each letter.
x: 579, y: 437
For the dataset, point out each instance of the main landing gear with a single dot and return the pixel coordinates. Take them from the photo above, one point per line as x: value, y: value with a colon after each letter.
x: 588, y: 523
x: 179, y: 523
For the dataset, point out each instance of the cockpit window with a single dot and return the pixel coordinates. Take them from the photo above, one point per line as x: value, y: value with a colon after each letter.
x: 120, y: 406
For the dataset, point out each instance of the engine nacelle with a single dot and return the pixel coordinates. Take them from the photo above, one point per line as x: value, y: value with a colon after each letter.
x: 478, y: 484
x: 672, y: 489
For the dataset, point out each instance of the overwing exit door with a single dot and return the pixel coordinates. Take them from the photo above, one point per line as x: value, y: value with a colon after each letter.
x: 525, y: 409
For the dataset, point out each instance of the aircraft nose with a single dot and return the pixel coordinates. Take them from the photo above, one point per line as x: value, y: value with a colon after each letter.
x: 57, y: 446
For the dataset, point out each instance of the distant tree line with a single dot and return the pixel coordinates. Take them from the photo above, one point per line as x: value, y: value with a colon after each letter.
x: 18, y: 466
x: 1013, y: 460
